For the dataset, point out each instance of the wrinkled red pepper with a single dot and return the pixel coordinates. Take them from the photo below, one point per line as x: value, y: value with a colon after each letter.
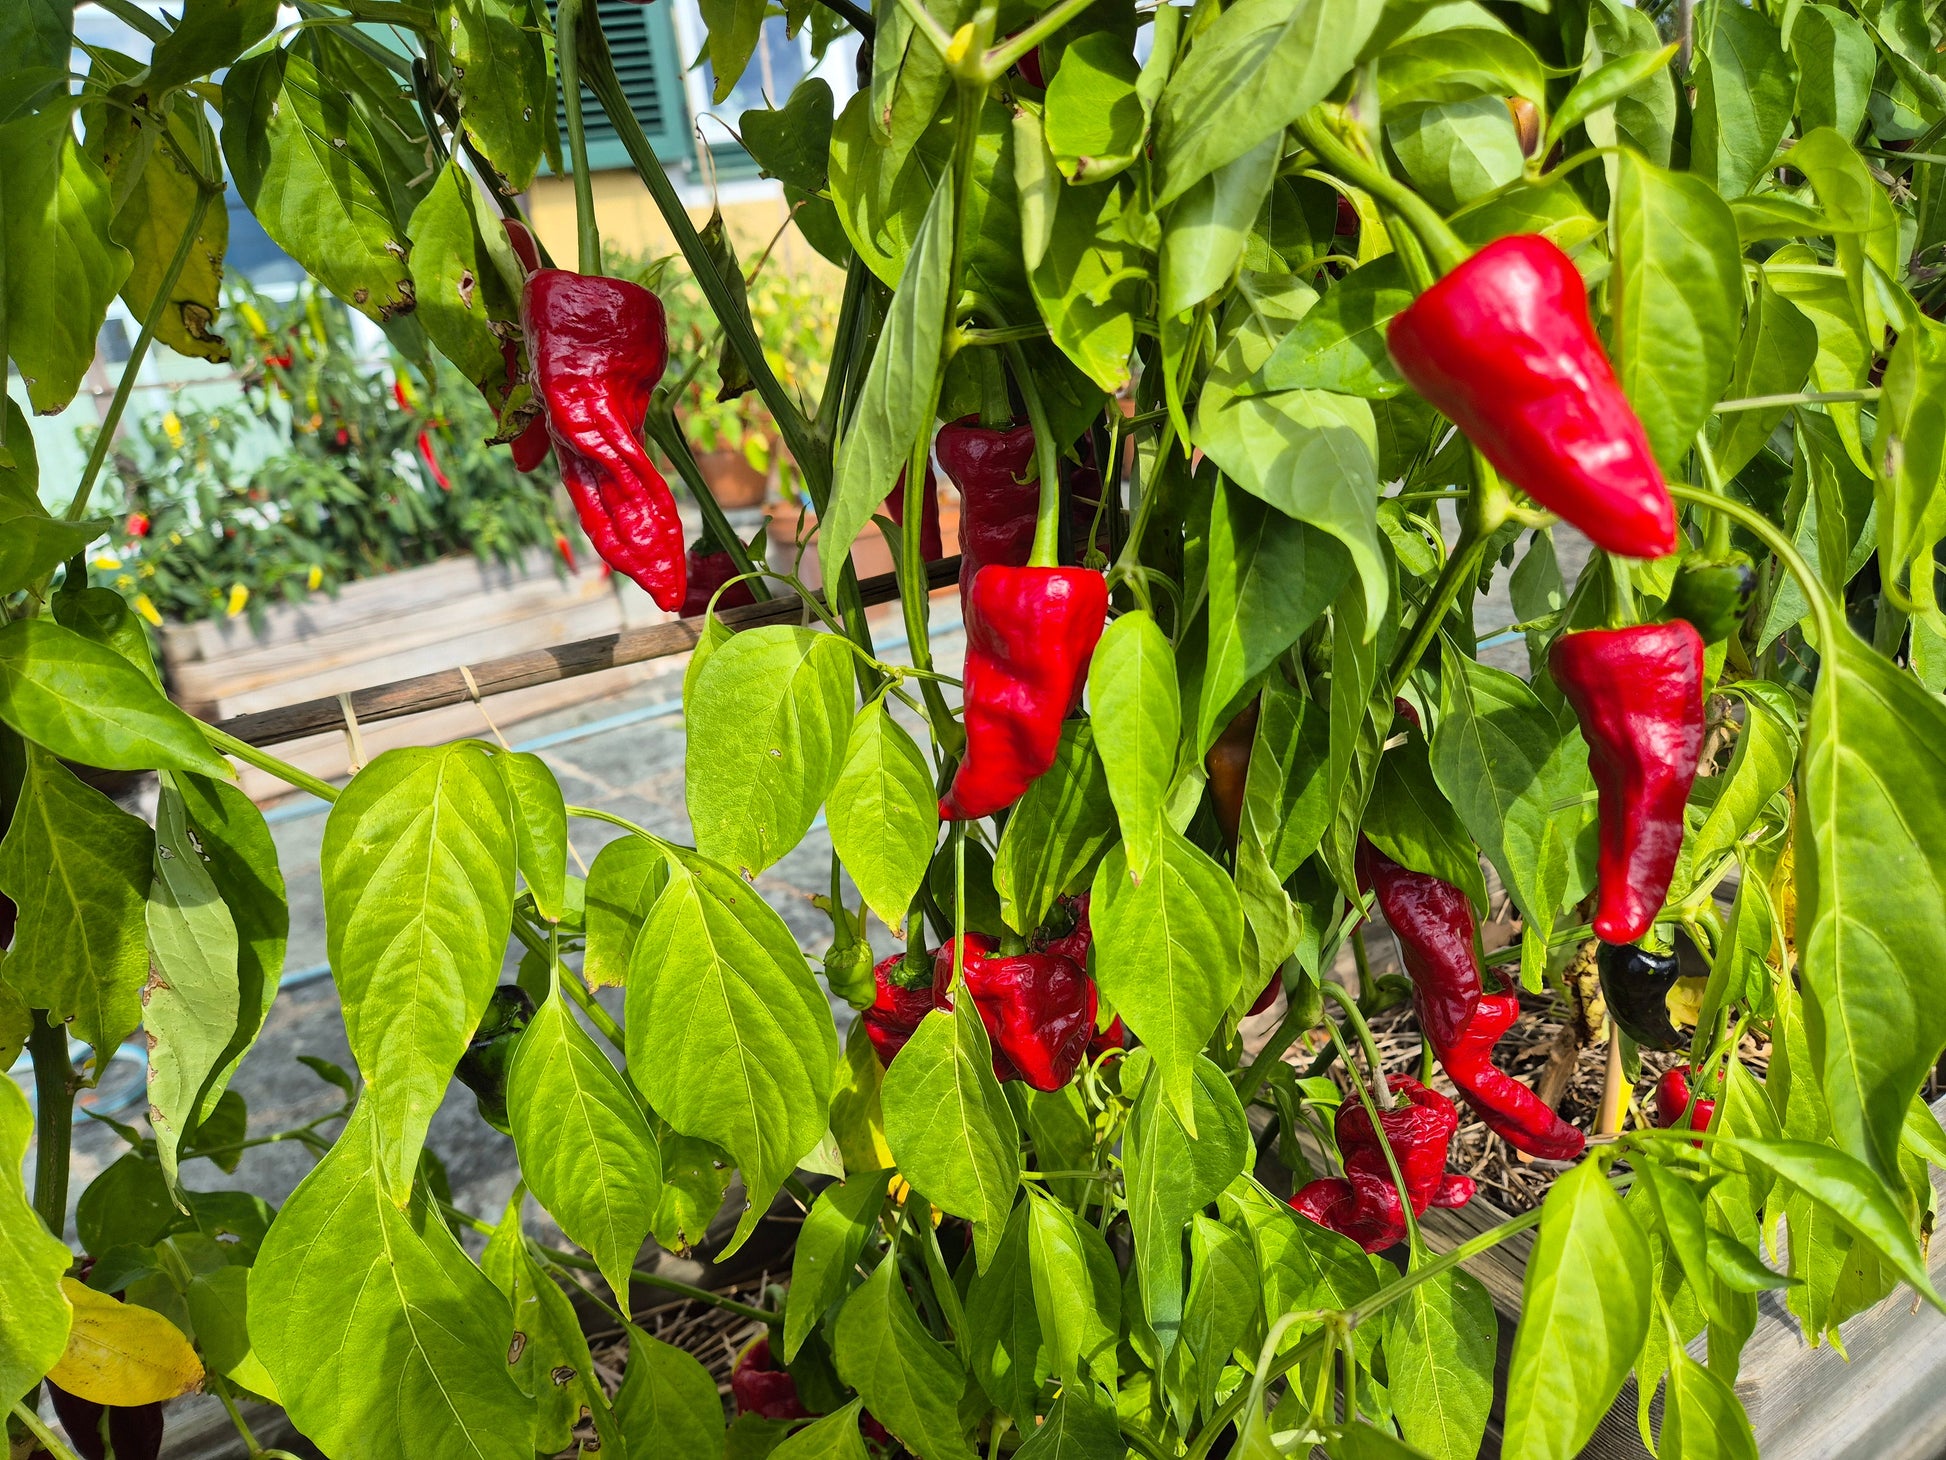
x: 760, y: 1386
x: 1038, y: 1009
x: 993, y: 470
x: 1672, y: 1099
x: 531, y: 446
x: 931, y: 545
x: 1030, y: 633
x: 597, y: 346
x: 709, y: 571
x: 1504, y: 347
x: 1638, y: 693
x: 902, y: 997
x: 1075, y: 944
x: 1364, y: 1203
x: 1433, y: 921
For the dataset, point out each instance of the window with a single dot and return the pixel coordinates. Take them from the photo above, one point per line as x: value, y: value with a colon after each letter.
x: 644, y: 47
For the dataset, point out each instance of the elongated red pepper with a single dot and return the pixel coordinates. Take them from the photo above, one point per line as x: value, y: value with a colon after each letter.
x: 1504, y: 347
x: 1433, y: 921
x: 597, y: 347
x: 1038, y: 1009
x: 931, y: 546
x: 531, y: 446
x: 1364, y: 1203
x: 1638, y: 693
x: 993, y: 471
x: 1030, y: 633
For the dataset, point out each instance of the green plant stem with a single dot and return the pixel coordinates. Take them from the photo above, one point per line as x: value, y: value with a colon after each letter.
x: 54, y: 1120
x: 1378, y: 1128
x: 164, y: 291
x: 135, y: 17
x: 666, y: 1284
x: 47, y: 1438
x: 852, y: 311
x: 215, y: 1382
x: 1281, y: 1039
x: 264, y: 761
x: 567, y: 24
x: 1773, y: 538
x: 996, y: 62
x: 1716, y: 533
x: 858, y: 19
x: 597, y: 1016
x: 666, y: 432
x: 595, y: 813
x: 1046, y: 551
x: 1488, y: 505
x: 970, y: 335
x: 1796, y: 398
x: 1441, y: 243
x: 1354, y: 1017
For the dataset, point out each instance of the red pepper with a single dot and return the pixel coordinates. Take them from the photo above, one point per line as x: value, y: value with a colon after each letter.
x: 1364, y: 1204
x: 1029, y: 66
x: 137, y: 524
x: 597, y: 347
x: 1038, y: 1009
x: 1433, y: 921
x: 760, y: 1387
x: 709, y: 571
x: 1030, y: 633
x: 566, y: 550
x: 901, y: 999
x: 1672, y: 1098
x: 931, y: 546
x: 530, y: 447
x: 432, y: 462
x: 993, y: 471
x: 1074, y: 944
x: 1504, y: 347
x: 521, y: 237
x: 1638, y: 693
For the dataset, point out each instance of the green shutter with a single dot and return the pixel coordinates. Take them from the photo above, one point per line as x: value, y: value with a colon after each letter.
x: 643, y: 43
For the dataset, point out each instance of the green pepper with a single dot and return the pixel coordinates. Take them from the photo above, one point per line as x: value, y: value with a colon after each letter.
x: 1713, y: 594
x: 490, y: 1054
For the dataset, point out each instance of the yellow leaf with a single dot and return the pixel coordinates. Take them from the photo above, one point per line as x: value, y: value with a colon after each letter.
x: 121, y: 1353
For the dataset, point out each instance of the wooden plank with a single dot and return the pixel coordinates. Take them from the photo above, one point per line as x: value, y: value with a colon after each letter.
x: 536, y: 666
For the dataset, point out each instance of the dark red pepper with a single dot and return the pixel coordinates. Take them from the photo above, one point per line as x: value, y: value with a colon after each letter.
x: 531, y: 446
x: 1074, y: 944
x: 760, y: 1387
x: 1030, y: 633
x: 597, y: 346
x: 902, y: 997
x: 1364, y: 1203
x: 1504, y: 347
x: 999, y: 494
x: 1672, y: 1099
x: 1228, y: 766
x: 1433, y: 921
x: 1038, y: 1009
x: 1638, y: 693
x: 931, y: 545
x: 709, y: 571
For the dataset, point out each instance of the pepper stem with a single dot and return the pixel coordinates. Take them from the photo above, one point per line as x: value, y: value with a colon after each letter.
x: 1356, y: 1018
x: 1444, y: 245
x: 1047, y: 518
x: 568, y: 57
x: 1767, y: 532
x: 1716, y: 531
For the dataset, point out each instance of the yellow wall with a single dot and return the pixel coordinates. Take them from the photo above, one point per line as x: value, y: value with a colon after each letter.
x: 630, y: 221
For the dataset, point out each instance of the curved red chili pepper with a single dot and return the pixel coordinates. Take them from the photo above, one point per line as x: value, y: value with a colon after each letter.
x: 1508, y: 1107
x: 1364, y: 1203
x: 597, y: 346
x: 1638, y: 693
x: 1030, y: 633
x: 1504, y: 347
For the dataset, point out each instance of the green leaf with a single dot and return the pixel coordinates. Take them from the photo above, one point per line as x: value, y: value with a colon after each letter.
x: 1311, y: 454
x: 1171, y: 1173
x: 384, y: 1339
x: 1095, y: 120
x: 208, y: 36
x: 1604, y: 87
x: 1135, y: 707
x: 1223, y: 1306
x: 1254, y: 70
x: 1270, y: 576
x: 1774, y: 357
x: 78, y: 867
x: 548, y: 1352
x: 1865, y: 223
x: 909, y: 1382
x: 1055, y: 833
x: 33, y: 542
x: 734, y: 28
x: 1581, y: 1297
x: 1439, y: 1353
x: 624, y: 881
x: 668, y: 1404
x: 729, y: 1035
x: 768, y: 721
x: 1002, y: 1343
x: 586, y: 1151
x: 834, y: 1437
x: 1065, y: 1297
x: 1676, y: 293
x: 1871, y: 885
x: 1765, y: 755
x: 1702, y: 1418
x: 506, y: 90
x: 883, y: 813
x: 895, y: 403
x: 88, y: 704
x: 1204, y: 234
x: 418, y: 870
x: 34, y: 1313
x: 127, y: 1205
x: 457, y: 286
x: 1835, y: 63
x: 1080, y: 1425
x: 1339, y: 344
x: 1409, y: 820
x: 62, y: 269
x: 191, y: 1001
x: 1168, y: 955
x: 540, y: 823
x: 950, y: 1128
x: 793, y: 142
x: 308, y: 164
x: 1090, y: 284
x: 1457, y: 151
x: 1909, y: 449
x: 829, y: 1245
x: 1451, y: 53
x: 1745, y: 91
x: 1362, y: 1441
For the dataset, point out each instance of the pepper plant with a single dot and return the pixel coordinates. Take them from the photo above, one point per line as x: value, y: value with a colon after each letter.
x: 1220, y: 315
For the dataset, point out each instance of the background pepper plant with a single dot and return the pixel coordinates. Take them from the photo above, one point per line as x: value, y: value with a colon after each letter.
x: 1225, y: 309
